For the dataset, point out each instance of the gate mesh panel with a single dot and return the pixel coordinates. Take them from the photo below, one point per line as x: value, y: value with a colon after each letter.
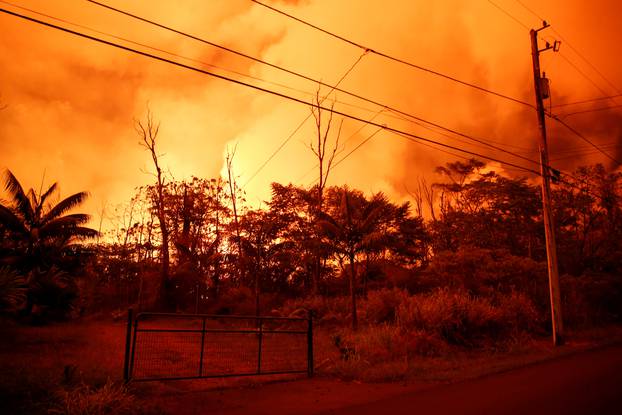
x: 166, y: 354
x: 282, y: 352
x: 231, y: 346
x: 230, y: 353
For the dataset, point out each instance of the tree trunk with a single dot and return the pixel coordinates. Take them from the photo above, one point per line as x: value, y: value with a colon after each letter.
x: 165, y: 283
x: 149, y: 133
x: 353, y: 290
x: 233, y: 193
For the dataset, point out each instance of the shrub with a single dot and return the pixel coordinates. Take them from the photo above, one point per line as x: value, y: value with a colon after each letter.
x: 235, y: 300
x: 381, y: 305
x: 486, y: 272
x: 591, y: 299
x: 327, y: 310
x: 384, y: 352
x: 376, y: 353
x: 519, y: 313
x: 51, y: 295
x: 462, y: 319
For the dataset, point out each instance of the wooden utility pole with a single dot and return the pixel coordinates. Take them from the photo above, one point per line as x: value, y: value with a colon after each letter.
x: 545, y: 170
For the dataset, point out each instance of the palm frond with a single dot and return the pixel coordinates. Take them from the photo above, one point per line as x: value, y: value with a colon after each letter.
x: 34, y: 200
x: 12, y: 289
x: 20, y: 199
x: 65, y: 228
x: 44, y: 197
x: 9, y: 220
x: 65, y: 205
x: 63, y: 223
x: 48, y: 192
x: 82, y: 232
x: 329, y: 227
x: 74, y: 218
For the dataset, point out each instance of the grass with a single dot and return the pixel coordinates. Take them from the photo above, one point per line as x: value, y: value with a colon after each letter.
x: 76, y: 367
x: 451, y: 363
x: 35, y: 360
x: 111, y: 398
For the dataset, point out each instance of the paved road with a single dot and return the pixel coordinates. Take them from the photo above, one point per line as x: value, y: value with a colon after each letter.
x: 585, y: 383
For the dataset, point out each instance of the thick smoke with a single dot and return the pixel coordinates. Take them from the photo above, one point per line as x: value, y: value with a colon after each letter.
x: 72, y: 103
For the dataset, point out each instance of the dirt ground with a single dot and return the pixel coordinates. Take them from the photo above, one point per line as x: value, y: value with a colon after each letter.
x: 33, y: 359
x: 302, y: 396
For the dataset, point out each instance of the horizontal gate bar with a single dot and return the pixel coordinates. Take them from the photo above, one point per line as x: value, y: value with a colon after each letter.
x: 233, y: 375
x: 218, y: 317
x: 220, y: 331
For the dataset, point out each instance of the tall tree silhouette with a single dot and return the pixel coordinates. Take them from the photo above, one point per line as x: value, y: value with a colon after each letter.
x: 325, y: 160
x: 350, y: 230
x: 148, y: 132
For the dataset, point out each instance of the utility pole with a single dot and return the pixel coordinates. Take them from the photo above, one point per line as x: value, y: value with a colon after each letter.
x: 541, y: 89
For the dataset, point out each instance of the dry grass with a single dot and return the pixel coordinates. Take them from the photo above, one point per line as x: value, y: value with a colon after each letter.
x: 76, y: 367
x: 35, y: 360
x: 111, y: 398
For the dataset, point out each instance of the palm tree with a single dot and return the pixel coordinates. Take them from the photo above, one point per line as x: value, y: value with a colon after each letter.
x: 39, y: 232
x: 352, y: 229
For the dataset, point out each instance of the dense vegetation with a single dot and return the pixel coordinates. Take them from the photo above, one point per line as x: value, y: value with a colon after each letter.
x: 463, y: 265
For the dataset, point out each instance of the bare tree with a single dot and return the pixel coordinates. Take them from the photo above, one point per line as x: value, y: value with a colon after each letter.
x: 233, y: 190
x: 417, y: 197
x: 428, y: 195
x: 423, y: 195
x: 325, y: 162
x: 148, y: 132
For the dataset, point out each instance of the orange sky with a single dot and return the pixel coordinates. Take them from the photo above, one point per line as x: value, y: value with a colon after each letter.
x: 70, y: 103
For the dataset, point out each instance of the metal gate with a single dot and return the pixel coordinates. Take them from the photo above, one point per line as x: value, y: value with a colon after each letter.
x: 167, y: 346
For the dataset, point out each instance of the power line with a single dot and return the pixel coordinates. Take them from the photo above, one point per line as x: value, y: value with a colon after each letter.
x: 361, y: 144
x: 192, y: 68
x: 418, y: 143
x: 316, y: 165
x: 169, y: 52
x: 584, y: 138
x: 568, y: 114
x: 255, y: 78
x: 530, y: 10
x: 508, y: 14
x: 293, y: 133
x: 410, y: 136
x: 573, y: 130
x: 575, y: 155
x: 582, y: 149
x: 298, y: 74
x: 579, y: 54
x: 208, y: 64
x: 332, y: 87
x: 549, y: 114
x: 586, y: 101
x: 583, y: 74
x: 393, y: 58
x: 338, y: 162
x: 570, y: 128
x: 477, y: 140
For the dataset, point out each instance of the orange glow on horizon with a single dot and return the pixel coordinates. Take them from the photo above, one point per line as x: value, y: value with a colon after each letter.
x: 71, y: 103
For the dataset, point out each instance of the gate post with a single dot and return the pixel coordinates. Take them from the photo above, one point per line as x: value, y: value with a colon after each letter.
x: 310, y: 344
x: 128, y: 338
x: 202, y: 348
x: 259, y: 346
